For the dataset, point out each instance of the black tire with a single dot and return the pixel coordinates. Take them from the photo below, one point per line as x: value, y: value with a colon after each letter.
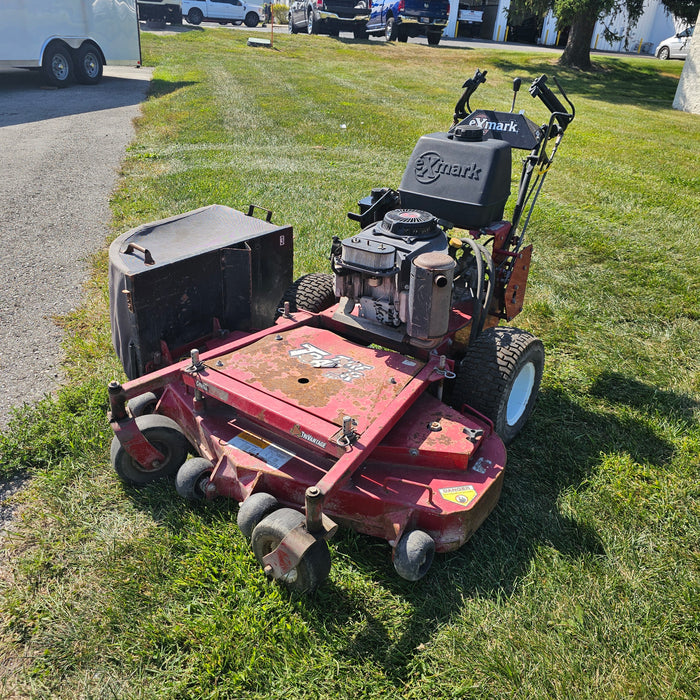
x: 192, y: 477
x: 314, y: 566
x: 311, y: 23
x: 414, y: 554
x: 57, y: 65
x: 253, y: 510
x: 314, y: 292
x: 359, y: 33
x: 434, y: 38
x: 290, y: 26
x: 402, y: 37
x: 195, y: 16
x: 88, y: 65
x: 165, y: 435
x: 664, y: 53
x: 500, y: 376
x: 390, y: 31
x: 142, y: 405
x: 251, y: 20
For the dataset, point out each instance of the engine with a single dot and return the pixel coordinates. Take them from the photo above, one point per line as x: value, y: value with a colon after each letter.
x: 397, y: 276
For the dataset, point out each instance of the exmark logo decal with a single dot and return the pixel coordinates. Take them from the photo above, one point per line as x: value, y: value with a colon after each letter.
x: 430, y: 166
x: 337, y: 366
x: 486, y: 125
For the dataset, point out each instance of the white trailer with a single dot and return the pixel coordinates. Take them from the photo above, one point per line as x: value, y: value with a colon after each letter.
x: 69, y: 39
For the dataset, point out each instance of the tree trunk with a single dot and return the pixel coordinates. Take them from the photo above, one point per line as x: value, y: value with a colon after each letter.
x: 577, y: 52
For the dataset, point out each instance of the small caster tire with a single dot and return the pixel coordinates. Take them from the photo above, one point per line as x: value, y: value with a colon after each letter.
x: 253, y: 510
x: 142, y: 405
x: 414, y: 554
x: 166, y: 436
x: 192, y: 478
x: 311, y: 570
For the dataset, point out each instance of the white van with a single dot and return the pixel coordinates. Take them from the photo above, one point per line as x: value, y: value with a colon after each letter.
x: 69, y: 39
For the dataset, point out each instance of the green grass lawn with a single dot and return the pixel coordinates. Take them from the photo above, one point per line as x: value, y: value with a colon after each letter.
x: 585, y: 580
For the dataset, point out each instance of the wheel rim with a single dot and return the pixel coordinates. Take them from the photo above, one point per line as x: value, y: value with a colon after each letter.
x: 520, y: 393
x: 163, y: 449
x: 91, y: 65
x: 310, y: 24
x: 59, y: 67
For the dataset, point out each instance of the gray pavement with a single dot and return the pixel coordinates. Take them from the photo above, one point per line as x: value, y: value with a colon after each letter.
x: 60, y: 151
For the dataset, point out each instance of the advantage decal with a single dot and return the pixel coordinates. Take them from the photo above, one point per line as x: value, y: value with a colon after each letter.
x: 430, y: 166
x: 298, y: 432
x: 337, y: 366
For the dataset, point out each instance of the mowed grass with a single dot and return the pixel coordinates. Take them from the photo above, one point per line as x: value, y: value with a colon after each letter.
x: 585, y: 580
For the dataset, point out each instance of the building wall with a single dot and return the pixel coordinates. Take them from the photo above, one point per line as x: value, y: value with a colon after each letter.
x: 653, y: 26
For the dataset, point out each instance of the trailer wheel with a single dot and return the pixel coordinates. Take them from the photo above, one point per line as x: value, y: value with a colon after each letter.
x: 253, y: 510
x: 165, y: 435
x: 142, y: 405
x: 314, y: 292
x: 88, y: 65
x: 195, y: 16
x: 312, y: 569
x: 57, y: 65
x: 500, y: 376
x: 192, y: 478
x: 359, y: 33
x: 414, y: 554
x: 251, y: 20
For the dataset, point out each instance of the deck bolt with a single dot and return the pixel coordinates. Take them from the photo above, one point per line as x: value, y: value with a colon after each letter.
x: 219, y: 363
x: 268, y: 570
x: 278, y: 337
x: 435, y: 426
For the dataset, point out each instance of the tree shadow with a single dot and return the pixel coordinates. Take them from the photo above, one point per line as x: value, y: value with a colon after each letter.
x: 629, y: 82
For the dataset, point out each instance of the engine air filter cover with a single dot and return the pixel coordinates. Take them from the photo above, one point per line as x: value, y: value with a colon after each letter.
x: 410, y: 223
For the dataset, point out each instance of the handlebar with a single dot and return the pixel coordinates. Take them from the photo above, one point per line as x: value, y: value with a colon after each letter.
x: 540, y: 89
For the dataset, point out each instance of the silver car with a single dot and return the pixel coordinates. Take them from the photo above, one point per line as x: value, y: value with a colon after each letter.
x: 675, y: 46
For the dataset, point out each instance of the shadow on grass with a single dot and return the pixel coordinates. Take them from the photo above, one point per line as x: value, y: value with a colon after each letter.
x: 634, y: 82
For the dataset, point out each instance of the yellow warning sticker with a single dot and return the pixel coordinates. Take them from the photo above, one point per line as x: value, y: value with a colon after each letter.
x: 461, y: 495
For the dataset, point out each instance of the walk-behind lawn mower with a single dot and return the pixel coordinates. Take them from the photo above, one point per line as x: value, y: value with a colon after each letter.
x: 378, y: 397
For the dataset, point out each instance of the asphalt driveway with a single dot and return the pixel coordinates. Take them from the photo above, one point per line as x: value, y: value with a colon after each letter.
x: 60, y: 152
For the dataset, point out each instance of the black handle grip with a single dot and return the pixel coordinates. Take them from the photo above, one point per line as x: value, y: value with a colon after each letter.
x: 551, y: 101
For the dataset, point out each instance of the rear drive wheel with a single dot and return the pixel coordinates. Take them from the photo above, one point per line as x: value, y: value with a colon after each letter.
x: 500, y: 376
x: 192, y: 478
x: 414, y: 554
x: 88, y: 65
x: 57, y: 65
x: 390, y: 31
x: 251, y: 20
x: 254, y: 509
x: 166, y: 436
x: 195, y: 16
x: 314, y: 292
x: 313, y: 568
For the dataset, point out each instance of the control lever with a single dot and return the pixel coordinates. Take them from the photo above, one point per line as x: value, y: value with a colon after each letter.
x: 516, y: 86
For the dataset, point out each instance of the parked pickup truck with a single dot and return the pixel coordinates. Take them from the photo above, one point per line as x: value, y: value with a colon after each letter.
x: 399, y: 19
x: 222, y: 11
x: 329, y: 17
